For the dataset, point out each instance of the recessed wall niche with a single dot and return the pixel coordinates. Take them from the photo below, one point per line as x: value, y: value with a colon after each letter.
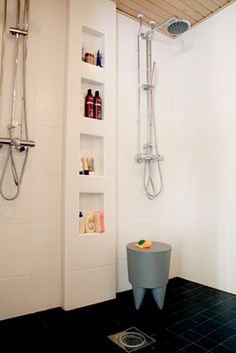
x: 87, y: 84
x: 92, y: 205
x: 92, y: 42
x: 93, y: 147
x: 91, y: 201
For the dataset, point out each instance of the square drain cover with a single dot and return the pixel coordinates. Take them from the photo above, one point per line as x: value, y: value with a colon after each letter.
x: 131, y: 339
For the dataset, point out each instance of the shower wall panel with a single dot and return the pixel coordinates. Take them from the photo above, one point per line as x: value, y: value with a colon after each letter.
x: 30, y: 226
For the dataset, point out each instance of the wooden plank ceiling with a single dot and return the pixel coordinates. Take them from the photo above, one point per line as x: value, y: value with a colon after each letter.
x: 194, y: 11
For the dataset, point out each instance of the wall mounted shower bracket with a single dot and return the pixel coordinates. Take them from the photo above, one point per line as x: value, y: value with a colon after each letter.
x: 140, y: 157
x: 15, y: 31
x: 16, y: 142
x: 147, y: 87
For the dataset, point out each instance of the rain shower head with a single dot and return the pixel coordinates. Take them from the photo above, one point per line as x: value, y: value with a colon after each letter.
x: 173, y: 26
x: 177, y: 26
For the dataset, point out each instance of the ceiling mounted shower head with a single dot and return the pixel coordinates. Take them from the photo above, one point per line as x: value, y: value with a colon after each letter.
x: 177, y: 26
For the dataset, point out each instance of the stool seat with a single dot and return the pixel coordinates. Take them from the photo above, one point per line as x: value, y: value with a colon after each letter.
x: 148, y: 269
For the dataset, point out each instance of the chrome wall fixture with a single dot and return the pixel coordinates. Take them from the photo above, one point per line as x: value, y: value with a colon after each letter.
x: 17, y: 142
x: 149, y: 156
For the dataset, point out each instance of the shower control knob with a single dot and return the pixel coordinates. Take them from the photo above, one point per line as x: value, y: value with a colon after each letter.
x: 138, y: 158
x: 21, y: 148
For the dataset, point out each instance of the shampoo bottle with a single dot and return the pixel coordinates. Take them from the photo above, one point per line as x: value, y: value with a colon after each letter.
x: 97, y: 106
x: 89, y: 105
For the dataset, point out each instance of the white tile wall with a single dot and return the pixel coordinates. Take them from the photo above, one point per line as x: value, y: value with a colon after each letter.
x: 45, y: 246
x: 15, y: 251
x: 122, y: 275
x: 45, y: 290
x: 232, y: 271
x: 15, y: 298
x: 78, y: 246
x: 16, y: 211
x: 195, y: 110
x: 138, y: 217
x: 46, y: 198
x: 47, y: 160
x: 89, y: 286
x: 204, y: 71
x: 30, y: 231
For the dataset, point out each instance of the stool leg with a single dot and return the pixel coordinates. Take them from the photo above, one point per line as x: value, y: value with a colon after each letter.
x: 138, y: 294
x: 159, y: 296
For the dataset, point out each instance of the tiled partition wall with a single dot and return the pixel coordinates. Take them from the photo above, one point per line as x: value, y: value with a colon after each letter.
x: 30, y: 226
x: 205, y: 110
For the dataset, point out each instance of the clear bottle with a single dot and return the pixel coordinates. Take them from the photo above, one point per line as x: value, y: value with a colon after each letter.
x: 91, y: 166
x: 81, y: 223
x: 83, y: 54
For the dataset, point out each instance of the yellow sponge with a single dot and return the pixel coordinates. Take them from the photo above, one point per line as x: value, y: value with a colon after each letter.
x: 143, y: 244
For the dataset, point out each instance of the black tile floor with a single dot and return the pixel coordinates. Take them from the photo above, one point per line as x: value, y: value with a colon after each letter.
x: 195, y: 318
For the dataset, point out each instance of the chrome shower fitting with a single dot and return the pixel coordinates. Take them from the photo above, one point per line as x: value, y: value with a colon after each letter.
x: 15, y: 31
x: 9, y: 141
x: 141, y: 157
x: 17, y: 139
x: 147, y: 87
x: 173, y: 26
x: 147, y: 155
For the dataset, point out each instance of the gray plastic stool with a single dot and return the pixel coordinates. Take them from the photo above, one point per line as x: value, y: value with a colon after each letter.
x: 149, y: 269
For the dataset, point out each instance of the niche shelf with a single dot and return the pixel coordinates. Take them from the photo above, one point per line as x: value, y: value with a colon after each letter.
x: 92, y: 127
x: 93, y: 147
x: 92, y: 41
x: 91, y: 202
x: 94, y: 86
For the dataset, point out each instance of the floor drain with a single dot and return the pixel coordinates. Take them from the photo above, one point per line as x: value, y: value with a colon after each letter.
x: 131, y: 339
